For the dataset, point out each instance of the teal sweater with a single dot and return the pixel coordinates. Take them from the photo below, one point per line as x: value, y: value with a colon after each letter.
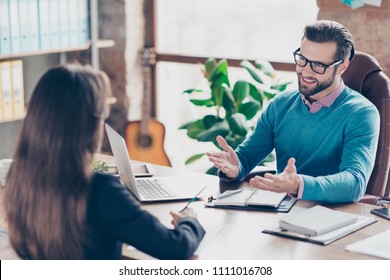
x: 334, y: 148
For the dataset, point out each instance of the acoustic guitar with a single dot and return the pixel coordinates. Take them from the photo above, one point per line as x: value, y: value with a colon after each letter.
x: 145, y: 138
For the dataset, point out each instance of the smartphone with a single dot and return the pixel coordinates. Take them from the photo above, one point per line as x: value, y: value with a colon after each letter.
x: 383, y: 212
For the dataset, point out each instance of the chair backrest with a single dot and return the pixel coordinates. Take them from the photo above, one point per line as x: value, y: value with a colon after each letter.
x: 365, y: 75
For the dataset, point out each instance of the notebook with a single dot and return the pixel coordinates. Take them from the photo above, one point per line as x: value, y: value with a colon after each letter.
x: 252, y: 196
x: 148, y: 189
x: 249, y: 198
x: 326, y: 238
x: 316, y: 221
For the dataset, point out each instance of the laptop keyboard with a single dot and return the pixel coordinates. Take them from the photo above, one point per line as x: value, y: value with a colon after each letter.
x: 152, y: 188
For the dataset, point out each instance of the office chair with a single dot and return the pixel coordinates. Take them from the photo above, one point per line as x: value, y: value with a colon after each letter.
x: 365, y: 75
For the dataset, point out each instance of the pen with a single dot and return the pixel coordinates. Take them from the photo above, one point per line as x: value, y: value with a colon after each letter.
x: 228, y: 193
x: 192, y: 200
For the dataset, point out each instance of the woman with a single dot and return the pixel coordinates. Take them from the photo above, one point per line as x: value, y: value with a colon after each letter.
x: 56, y: 207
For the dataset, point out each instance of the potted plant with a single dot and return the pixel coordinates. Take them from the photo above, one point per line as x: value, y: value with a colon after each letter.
x: 234, y: 106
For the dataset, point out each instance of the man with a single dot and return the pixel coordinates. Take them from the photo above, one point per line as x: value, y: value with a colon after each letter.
x: 325, y: 135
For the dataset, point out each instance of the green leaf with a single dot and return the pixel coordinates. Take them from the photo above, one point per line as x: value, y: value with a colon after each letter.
x: 220, y: 128
x: 194, y: 158
x: 238, y: 124
x: 268, y: 92
x: 217, y: 92
x: 256, y: 94
x: 240, y: 91
x: 212, y: 171
x: 185, y: 125
x: 219, y: 75
x: 210, y: 120
x: 192, y: 90
x: 229, y: 106
x: 228, y: 102
x: 209, y: 66
x: 195, y: 128
x: 281, y: 87
x: 249, y: 109
x: 98, y: 165
x: 266, y: 67
x: 233, y: 140
x: 252, y: 71
x: 202, y: 102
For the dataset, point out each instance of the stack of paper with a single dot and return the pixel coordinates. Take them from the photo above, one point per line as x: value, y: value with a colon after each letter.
x: 377, y: 245
x: 5, y: 164
x: 316, y: 221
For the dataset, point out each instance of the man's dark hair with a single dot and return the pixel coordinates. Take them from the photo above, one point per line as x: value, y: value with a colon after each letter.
x: 330, y: 31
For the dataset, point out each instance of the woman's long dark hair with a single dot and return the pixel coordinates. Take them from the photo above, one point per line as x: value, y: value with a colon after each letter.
x: 48, y: 183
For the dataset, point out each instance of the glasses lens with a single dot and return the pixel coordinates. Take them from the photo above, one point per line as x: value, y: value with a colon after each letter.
x: 317, y: 67
x: 300, y: 60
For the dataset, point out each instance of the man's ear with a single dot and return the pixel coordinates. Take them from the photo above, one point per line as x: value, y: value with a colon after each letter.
x: 343, y: 66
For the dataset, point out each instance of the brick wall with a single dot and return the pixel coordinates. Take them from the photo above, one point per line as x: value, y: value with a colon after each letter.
x: 369, y: 27
x: 112, y: 25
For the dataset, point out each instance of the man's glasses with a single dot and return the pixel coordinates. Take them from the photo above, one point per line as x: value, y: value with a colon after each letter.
x: 316, y: 66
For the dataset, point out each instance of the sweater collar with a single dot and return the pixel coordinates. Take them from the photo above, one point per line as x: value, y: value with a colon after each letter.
x: 326, y: 101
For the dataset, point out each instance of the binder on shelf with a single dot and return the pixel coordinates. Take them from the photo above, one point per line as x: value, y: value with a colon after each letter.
x: 5, y: 36
x: 6, y: 87
x: 83, y: 22
x: 17, y: 88
x: 14, y: 26
x: 33, y: 25
x: 73, y: 23
x: 63, y: 18
x: 24, y: 27
x: 1, y: 100
x: 44, y: 24
x: 54, y: 22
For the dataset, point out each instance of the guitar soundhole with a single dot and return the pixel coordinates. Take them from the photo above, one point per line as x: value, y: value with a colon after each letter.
x: 145, y: 141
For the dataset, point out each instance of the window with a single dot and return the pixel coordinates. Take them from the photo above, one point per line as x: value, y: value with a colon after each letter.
x: 246, y: 29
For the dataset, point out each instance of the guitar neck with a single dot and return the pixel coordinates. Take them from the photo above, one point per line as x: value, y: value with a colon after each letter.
x: 149, y: 59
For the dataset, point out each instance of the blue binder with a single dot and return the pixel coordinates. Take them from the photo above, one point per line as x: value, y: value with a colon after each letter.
x: 33, y: 25
x: 83, y: 21
x: 73, y: 23
x: 5, y: 36
x: 24, y: 28
x: 14, y: 26
x: 44, y: 24
x: 55, y: 42
x: 63, y: 18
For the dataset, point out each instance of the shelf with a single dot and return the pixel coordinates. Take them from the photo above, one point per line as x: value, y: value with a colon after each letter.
x: 100, y: 44
x: 11, y: 120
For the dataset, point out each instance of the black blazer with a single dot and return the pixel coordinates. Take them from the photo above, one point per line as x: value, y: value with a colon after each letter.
x: 114, y: 216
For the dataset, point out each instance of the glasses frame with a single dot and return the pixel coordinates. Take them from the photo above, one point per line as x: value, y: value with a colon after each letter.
x: 326, y: 66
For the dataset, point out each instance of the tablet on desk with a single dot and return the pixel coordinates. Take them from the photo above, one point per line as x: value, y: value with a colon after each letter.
x: 140, y: 170
x: 143, y: 169
x: 382, y: 212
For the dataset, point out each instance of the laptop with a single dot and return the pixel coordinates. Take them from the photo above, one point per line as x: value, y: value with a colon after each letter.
x: 148, y: 189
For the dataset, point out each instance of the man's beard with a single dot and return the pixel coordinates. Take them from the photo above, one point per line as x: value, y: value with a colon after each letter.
x: 306, y: 91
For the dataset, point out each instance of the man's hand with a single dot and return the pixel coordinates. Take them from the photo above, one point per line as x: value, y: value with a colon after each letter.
x: 225, y: 160
x: 287, y: 181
